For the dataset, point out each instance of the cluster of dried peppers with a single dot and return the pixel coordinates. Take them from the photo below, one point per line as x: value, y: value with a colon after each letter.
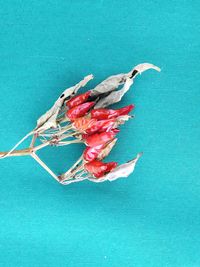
x: 85, y: 118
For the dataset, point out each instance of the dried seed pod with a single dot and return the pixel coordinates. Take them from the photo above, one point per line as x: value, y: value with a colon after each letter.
x: 79, y: 111
x: 101, y: 126
x: 91, y: 153
x: 77, y: 100
x: 123, y: 170
x: 98, y: 168
x: 48, y: 120
x: 139, y: 69
x: 99, y: 138
x: 103, y: 113
x: 114, y: 96
x: 98, y: 152
x: 113, y: 82
x: 83, y: 123
x: 108, y: 85
x: 106, y: 150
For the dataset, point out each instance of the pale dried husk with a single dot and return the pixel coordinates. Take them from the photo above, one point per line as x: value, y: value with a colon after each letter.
x: 48, y: 120
x: 112, y: 83
x: 122, y: 171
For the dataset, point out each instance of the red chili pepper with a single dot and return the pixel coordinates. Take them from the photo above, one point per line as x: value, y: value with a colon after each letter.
x: 79, y: 111
x: 103, y: 113
x: 116, y: 130
x: 111, y: 166
x: 77, y: 100
x: 83, y: 123
x: 125, y: 110
x: 101, y: 126
x: 98, y: 138
x: 98, y: 168
x: 91, y: 153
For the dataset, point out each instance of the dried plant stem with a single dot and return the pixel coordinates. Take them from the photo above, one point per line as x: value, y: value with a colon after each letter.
x: 7, y: 154
x: 69, y: 142
x: 72, y: 174
x: 41, y: 146
x: 73, y: 167
x: 33, y: 155
x: 22, y: 152
x: 28, y: 151
x: 65, y: 129
x: 33, y: 140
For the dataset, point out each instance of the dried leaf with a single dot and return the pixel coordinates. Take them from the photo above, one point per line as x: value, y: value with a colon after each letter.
x: 48, y: 120
x: 113, y: 82
x: 108, y: 85
x: 141, y: 68
x: 114, y: 96
x: 127, y: 79
x: 124, y: 170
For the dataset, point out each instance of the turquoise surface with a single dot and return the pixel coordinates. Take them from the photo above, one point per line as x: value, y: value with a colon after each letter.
x: 151, y: 219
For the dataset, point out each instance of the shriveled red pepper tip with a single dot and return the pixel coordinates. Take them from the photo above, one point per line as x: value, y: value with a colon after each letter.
x: 79, y: 99
x: 79, y: 111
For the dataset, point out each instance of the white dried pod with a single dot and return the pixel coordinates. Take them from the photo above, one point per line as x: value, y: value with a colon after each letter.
x: 143, y: 67
x: 123, y: 170
x: 48, y: 120
x: 110, y: 84
x: 114, y: 96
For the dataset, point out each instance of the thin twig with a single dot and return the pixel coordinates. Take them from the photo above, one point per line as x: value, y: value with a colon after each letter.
x: 7, y: 154
x: 69, y: 142
x: 33, y: 140
x: 74, y: 166
x: 22, y: 152
x: 33, y: 155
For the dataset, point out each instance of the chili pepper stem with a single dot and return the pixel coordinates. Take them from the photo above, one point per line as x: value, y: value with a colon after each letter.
x: 28, y: 151
x: 64, y: 129
x: 33, y: 140
x: 65, y: 143
x: 33, y: 155
x: 74, y: 166
x: 7, y: 154
x: 71, y: 173
x: 16, y: 153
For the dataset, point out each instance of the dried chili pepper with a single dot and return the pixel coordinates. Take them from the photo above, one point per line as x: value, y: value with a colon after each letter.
x: 98, y: 168
x: 101, y: 126
x: 83, y: 123
x: 79, y: 111
x: 91, y: 153
x: 125, y: 110
x: 77, y: 100
x: 103, y: 113
x: 99, y: 138
x: 105, y: 151
x: 115, y: 130
x: 98, y: 152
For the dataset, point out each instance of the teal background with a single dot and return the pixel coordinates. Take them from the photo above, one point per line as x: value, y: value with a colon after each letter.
x: 151, y: 219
